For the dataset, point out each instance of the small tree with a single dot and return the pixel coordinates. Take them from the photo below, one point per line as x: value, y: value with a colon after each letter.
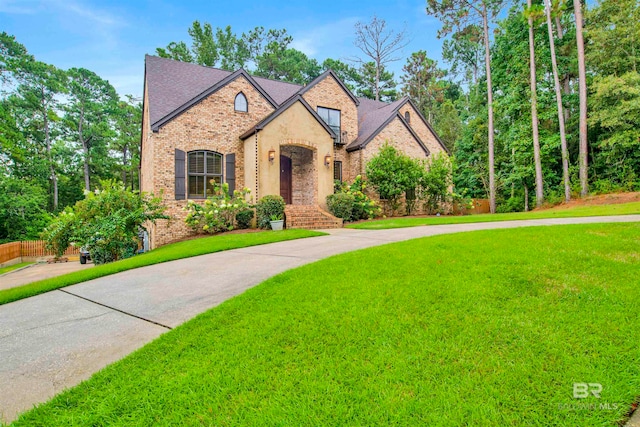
x: 392, y: 174
x: 106, y: 222
x: 436, y: 181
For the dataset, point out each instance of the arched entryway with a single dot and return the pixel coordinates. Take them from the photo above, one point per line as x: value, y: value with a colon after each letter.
x: 298, y: 175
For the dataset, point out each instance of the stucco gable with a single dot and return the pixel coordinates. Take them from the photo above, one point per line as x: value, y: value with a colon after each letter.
x: 284, y: 107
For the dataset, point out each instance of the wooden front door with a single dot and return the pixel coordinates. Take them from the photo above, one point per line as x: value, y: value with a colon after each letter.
x: 285, y: 178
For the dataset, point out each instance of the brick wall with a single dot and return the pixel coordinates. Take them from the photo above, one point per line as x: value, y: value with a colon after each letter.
x: 212, y: 124
x: 421, y: 129
x: 329, y: 94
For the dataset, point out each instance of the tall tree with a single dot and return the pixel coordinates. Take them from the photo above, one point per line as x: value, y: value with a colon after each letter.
x: 92, y: 101
x: 39, y: 90
x: 457, y: 15
x: 380, y: 45
x: 582, y: 91
x: 558, y: 91
x: 377, y: 81
x: 464, y: 52
x: 127, y: 142
x: 531, y: 15
x: 422, y: 82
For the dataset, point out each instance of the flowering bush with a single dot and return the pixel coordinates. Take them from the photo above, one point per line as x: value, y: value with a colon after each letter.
x: 217, y: 213
x: 106, y: 222
x: 351, y: 203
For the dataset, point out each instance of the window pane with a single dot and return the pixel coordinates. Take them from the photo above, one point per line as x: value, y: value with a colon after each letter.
x: 241, y: 102
x: 196, y: 162
x: 217, y: 164
x: 324, y: 114
x: 196, y: 186
x: 210, y: 163
x: 337, y: 170
x: 334, y: 118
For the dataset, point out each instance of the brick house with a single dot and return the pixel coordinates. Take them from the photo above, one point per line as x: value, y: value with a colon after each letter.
x: 203, y: 124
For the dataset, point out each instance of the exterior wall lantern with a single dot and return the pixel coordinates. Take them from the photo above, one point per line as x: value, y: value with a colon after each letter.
x: 272, y: 155
x: 327, y: 160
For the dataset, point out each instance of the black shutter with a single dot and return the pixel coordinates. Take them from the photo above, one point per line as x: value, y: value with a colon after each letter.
x: 230, y: 169
x: 180, y: 174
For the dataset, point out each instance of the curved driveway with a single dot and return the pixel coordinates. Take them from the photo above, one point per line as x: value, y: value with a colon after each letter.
x: 55, y: 340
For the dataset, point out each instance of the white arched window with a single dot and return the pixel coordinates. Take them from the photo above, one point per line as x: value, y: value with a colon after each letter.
x: 240, y: 103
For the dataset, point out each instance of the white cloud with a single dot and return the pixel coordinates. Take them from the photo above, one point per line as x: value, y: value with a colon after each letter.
x: 325, y: 37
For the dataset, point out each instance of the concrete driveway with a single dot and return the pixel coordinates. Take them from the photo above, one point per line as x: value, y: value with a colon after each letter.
x: 55, y: 340
x: 38, y: 272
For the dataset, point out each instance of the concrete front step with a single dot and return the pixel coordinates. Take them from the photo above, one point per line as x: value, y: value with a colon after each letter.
x: 310, y: 217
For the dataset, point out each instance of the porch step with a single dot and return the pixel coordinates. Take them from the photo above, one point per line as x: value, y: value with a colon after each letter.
x: 309, y: 217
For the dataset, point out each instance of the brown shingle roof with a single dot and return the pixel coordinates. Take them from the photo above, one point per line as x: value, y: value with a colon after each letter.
x: 171, y: 84
x: 372, y: 117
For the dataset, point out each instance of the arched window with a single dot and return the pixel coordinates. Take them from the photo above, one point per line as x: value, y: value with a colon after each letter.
x: 204, y: 169
x: 240, y: 103
x: 407, y: 117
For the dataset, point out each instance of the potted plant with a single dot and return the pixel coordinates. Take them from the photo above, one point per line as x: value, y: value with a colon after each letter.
x: 276, y: 222
x: 270, y: 211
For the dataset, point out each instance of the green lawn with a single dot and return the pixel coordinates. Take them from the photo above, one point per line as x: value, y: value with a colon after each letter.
x: 489, y: 328
x: 186, y: 249
x: 600, y: 210
x: 4, y: 270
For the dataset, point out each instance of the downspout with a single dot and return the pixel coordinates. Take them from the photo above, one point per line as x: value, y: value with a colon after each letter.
x: 257, y: 165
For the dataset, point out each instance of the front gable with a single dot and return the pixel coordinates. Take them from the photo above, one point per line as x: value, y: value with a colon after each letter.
x: 239, y: 75
x: 422, y: 127
x: 329, y: 92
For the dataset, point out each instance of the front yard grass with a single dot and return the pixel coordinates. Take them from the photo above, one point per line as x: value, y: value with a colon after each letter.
x: 488, y: 328
x: 185, y: 249
x: 5, y: 270
x: 579, y: 211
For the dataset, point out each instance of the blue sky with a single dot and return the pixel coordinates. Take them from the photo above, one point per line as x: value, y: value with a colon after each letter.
x: 112, y: 37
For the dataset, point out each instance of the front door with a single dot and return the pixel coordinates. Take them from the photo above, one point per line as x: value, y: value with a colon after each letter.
x: 285, y: 178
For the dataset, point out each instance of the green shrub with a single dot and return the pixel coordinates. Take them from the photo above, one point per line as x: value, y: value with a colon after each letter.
x: 217, y: 213
x: 244, y: 218
x: 435, y: 182
x: 268, y: 206
x: 362, y: 207
x: 392, y: 173
x: 106, y: 222
x: 341, y: 205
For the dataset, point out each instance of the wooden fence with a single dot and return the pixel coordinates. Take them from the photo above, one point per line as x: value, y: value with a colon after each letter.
x: 29, y: 248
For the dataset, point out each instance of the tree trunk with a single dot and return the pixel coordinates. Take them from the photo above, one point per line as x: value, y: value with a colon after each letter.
x: 561, y: 116
x: 566, y: 84
x: 487, y: 61
x: 378, y: 80
x: 85, y: 151
x: 52, y: 170
x: 534, y: 113
x: 124, y: 166
x: 582, y: 77
x: 526, y: 198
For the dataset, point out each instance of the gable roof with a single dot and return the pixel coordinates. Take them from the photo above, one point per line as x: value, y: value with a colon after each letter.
x: 324, y: 75
x: 174, y: 86
x: 285, y: 106
x: 374, y: 116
